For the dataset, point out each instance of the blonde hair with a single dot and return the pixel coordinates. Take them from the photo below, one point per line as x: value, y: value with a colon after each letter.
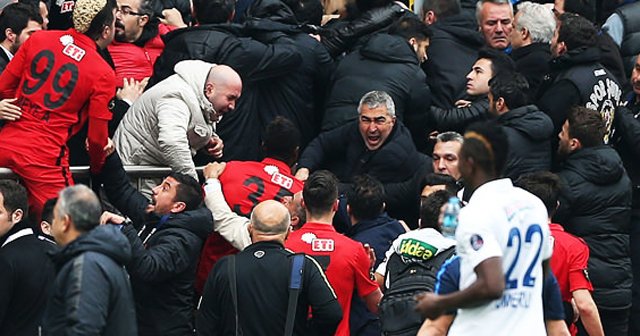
x: 84, y: 12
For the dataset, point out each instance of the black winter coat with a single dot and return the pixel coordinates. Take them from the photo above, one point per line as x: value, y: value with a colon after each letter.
x: 91, y: 294
x: 163, y: 268
x: 529, y: 133
x: 457, y: 119
x: 397, y: 72
x: 396, y: 164
x: 26, y: 280
x: 453, y: 49
x: 595, y: 204
x: 532, y: 62
x: 627, y: 143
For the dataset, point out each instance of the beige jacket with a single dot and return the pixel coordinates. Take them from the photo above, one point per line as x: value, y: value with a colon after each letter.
x: 169, y: 122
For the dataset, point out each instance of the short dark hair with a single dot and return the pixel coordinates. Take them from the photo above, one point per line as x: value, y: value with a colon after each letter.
x: 487, y: 144
x: 281, y: 139
x: 104, y: 18
x: 213, y: 11
x: 576, y: 32
x: 544, y: 185
x: 433, y: 179
x: 188, y: 191
x: 320, y: 192
x: 81, y: 205
x: 47, y: 210
x: 366, y: 199
x: 513, y: 88
x: 409, y: 27
x: 14, y: 196
x: 430, y: 209
x: 16, y: 16
x: 153, y: 9
x: 587, y: 126
x: 500, y: 62
x: 442, y: 8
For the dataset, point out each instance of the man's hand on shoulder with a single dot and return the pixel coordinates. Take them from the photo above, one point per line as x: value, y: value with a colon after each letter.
x: 214, y: 170
x: 302, y: 174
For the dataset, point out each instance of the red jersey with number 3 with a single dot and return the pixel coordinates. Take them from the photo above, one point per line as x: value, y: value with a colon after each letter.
x: 60, y: 80
x: 247, y: 183
x: 244, y: 185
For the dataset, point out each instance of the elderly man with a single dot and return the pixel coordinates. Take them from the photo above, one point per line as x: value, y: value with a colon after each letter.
x: 91, y: 293
x: 495, y: 20
x: 375, y: 144
x: 534, y: 25
x: 177, y: 117
x: 262, y: 286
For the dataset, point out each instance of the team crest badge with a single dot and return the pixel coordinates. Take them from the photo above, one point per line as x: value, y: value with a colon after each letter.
x: 258, y: 254
x: 476, y: 242
x: 308, y: 237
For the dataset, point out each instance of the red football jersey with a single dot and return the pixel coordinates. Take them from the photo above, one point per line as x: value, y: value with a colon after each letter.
x: 245, y: 184
x: 345, y: 261
x: 60, y: 80
x: 569, y: 263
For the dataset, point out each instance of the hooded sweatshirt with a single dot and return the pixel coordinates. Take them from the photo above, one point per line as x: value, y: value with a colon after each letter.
x: 169, y: 122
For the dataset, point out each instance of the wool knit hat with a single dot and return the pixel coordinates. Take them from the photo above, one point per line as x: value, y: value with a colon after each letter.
x: 84, y: 12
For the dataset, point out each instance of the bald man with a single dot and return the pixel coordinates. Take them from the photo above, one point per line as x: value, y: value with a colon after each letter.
x: 262, y: 285
x: 170, y: 122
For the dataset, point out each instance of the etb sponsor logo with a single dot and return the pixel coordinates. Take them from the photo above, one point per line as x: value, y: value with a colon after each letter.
x: 322, y: 245
x: 281, y: 180
x: 74, y: 51
x: 67, y: 6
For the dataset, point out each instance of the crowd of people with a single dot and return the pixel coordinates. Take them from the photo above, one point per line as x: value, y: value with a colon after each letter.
x: 371, y: 167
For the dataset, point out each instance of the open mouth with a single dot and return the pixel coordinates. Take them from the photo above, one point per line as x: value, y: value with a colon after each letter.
x: 373, y: 139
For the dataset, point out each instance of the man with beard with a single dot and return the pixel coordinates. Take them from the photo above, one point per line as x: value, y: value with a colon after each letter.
x: 595, y: 204
x: 138, y: 41
x: 166, y: 237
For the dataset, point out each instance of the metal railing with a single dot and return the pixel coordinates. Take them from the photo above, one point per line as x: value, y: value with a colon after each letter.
x: 135, y: 173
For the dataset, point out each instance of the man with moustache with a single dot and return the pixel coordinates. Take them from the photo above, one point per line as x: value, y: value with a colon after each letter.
x: 595, y: 205
x: 138, y: 40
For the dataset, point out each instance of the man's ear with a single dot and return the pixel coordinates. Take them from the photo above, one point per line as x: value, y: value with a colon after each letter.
x: 500, y: 104
x: 562, y: 48
x: 335, y: 206
x: 430, y: 18
x: 348, y: 210
x: 11, y: 36
x: 17, y: 215
x: 574, y: 144
x: 178, y: 207
x: 143, y: 20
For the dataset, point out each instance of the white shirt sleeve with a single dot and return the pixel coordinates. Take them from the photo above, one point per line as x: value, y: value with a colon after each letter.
x: 227, y: 223
x: 476, y: 241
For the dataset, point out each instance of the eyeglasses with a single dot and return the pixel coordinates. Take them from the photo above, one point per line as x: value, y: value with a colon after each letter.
x: 128, y: 11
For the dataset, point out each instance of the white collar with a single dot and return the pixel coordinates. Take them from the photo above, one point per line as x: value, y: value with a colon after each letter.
x: 21, y: 233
